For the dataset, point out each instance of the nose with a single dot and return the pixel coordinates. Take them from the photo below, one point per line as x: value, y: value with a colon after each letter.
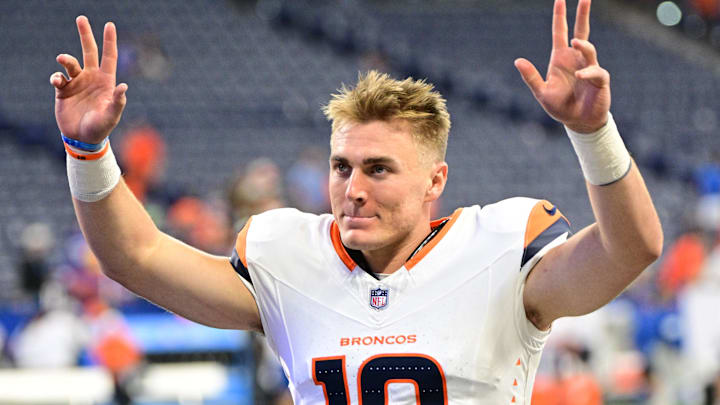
x: 357, y: 188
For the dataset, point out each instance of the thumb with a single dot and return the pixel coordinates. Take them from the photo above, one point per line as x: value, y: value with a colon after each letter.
x: 119, y: 99
x: 530, y: 75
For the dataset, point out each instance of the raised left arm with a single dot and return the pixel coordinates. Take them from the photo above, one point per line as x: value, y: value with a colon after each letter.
x: 600, y: 261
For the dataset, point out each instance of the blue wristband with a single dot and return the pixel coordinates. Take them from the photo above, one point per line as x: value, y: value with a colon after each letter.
x: 87, y: 147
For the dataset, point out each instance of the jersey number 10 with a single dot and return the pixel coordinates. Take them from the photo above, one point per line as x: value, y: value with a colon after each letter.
x: 376, y: 373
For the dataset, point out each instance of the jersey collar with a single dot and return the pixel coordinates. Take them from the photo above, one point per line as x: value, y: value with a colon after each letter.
x: 425, y: 247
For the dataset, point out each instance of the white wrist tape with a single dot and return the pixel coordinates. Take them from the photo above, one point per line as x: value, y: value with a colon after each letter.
x: 602, y: 154
x: 92, y: 180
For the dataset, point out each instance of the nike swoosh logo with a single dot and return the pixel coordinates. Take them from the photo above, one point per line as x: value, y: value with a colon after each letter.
x: 550, y: 212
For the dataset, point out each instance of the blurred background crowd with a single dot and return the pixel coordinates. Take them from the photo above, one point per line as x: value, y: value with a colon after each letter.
x: 223, y: 121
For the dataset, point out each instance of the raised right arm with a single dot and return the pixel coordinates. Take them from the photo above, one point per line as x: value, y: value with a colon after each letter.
x: 131, y: 249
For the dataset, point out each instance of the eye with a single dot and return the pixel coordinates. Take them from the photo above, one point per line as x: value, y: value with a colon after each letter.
x: 379, y: 169
x: 341, y: 168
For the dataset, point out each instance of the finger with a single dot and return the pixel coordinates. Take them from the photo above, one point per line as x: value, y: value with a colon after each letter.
x: 71, y: 65
x: 530, y: 76
x: 89, y: 47
x: 582, y: 20
x: 559, y: 25
x: 594, y: 74
x: 109, y: 52
x: 119, y: 99
x: 587, y: 49
x: 58, y: 80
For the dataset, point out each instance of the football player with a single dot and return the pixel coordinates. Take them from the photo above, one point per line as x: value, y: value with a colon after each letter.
x: 377, y: 303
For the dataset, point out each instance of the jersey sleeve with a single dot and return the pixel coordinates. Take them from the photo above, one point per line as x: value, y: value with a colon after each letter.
x: 268, y: 252
x: 545, y: 225
x: 239, y: 257
x: 546, y: 228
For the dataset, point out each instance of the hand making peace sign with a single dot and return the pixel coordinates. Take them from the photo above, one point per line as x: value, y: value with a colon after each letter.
x: 88, y: 104
x: 576, y: 91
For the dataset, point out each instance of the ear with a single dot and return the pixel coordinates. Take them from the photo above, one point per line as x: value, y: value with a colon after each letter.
x: 438, y: 179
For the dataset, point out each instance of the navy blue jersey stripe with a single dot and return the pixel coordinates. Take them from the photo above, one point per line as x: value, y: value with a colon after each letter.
x: 558, y: 228
x: 240, y: 267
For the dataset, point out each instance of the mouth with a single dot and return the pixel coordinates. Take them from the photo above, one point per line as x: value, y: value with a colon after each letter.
x: 357, y: 221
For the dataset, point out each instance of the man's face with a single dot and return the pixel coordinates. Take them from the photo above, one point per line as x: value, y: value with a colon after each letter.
x: 380, y: 190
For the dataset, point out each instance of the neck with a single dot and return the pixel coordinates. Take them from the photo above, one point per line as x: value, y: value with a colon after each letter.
x: 391, y: 258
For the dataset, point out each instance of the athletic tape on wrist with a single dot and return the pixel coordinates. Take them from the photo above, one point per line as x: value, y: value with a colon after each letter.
x: 602, y: 154
x: 93, y: 180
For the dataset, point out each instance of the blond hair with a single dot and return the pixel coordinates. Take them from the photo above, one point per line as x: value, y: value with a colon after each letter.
x: 377, y: 96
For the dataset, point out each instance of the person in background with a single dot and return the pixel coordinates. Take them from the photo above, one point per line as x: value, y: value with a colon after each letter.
x: 36, y: 245
x: 307, y: 182
x: 255, y: 189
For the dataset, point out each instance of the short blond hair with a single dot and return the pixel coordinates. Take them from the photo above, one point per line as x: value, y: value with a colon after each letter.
x: 377, y: 96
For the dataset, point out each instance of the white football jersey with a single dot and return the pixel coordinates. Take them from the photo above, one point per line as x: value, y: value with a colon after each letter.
x: 449, y: 327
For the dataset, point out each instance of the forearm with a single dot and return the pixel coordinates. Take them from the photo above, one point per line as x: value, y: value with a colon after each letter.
x: 130, y: 248
x: 628, y: 226
x: 628, y: 229
x: 118, y: 229
x: 169, y: 273
x: 601, y: 260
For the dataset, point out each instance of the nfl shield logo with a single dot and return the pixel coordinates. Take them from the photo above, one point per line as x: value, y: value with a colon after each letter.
x: 379, y: 298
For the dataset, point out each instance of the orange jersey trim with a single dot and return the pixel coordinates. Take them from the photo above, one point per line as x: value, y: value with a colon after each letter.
x: 542, y: 216
x: 241, y: 242
x: 339, y: 248
x: 427, y: 248
x: 350, y: 263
